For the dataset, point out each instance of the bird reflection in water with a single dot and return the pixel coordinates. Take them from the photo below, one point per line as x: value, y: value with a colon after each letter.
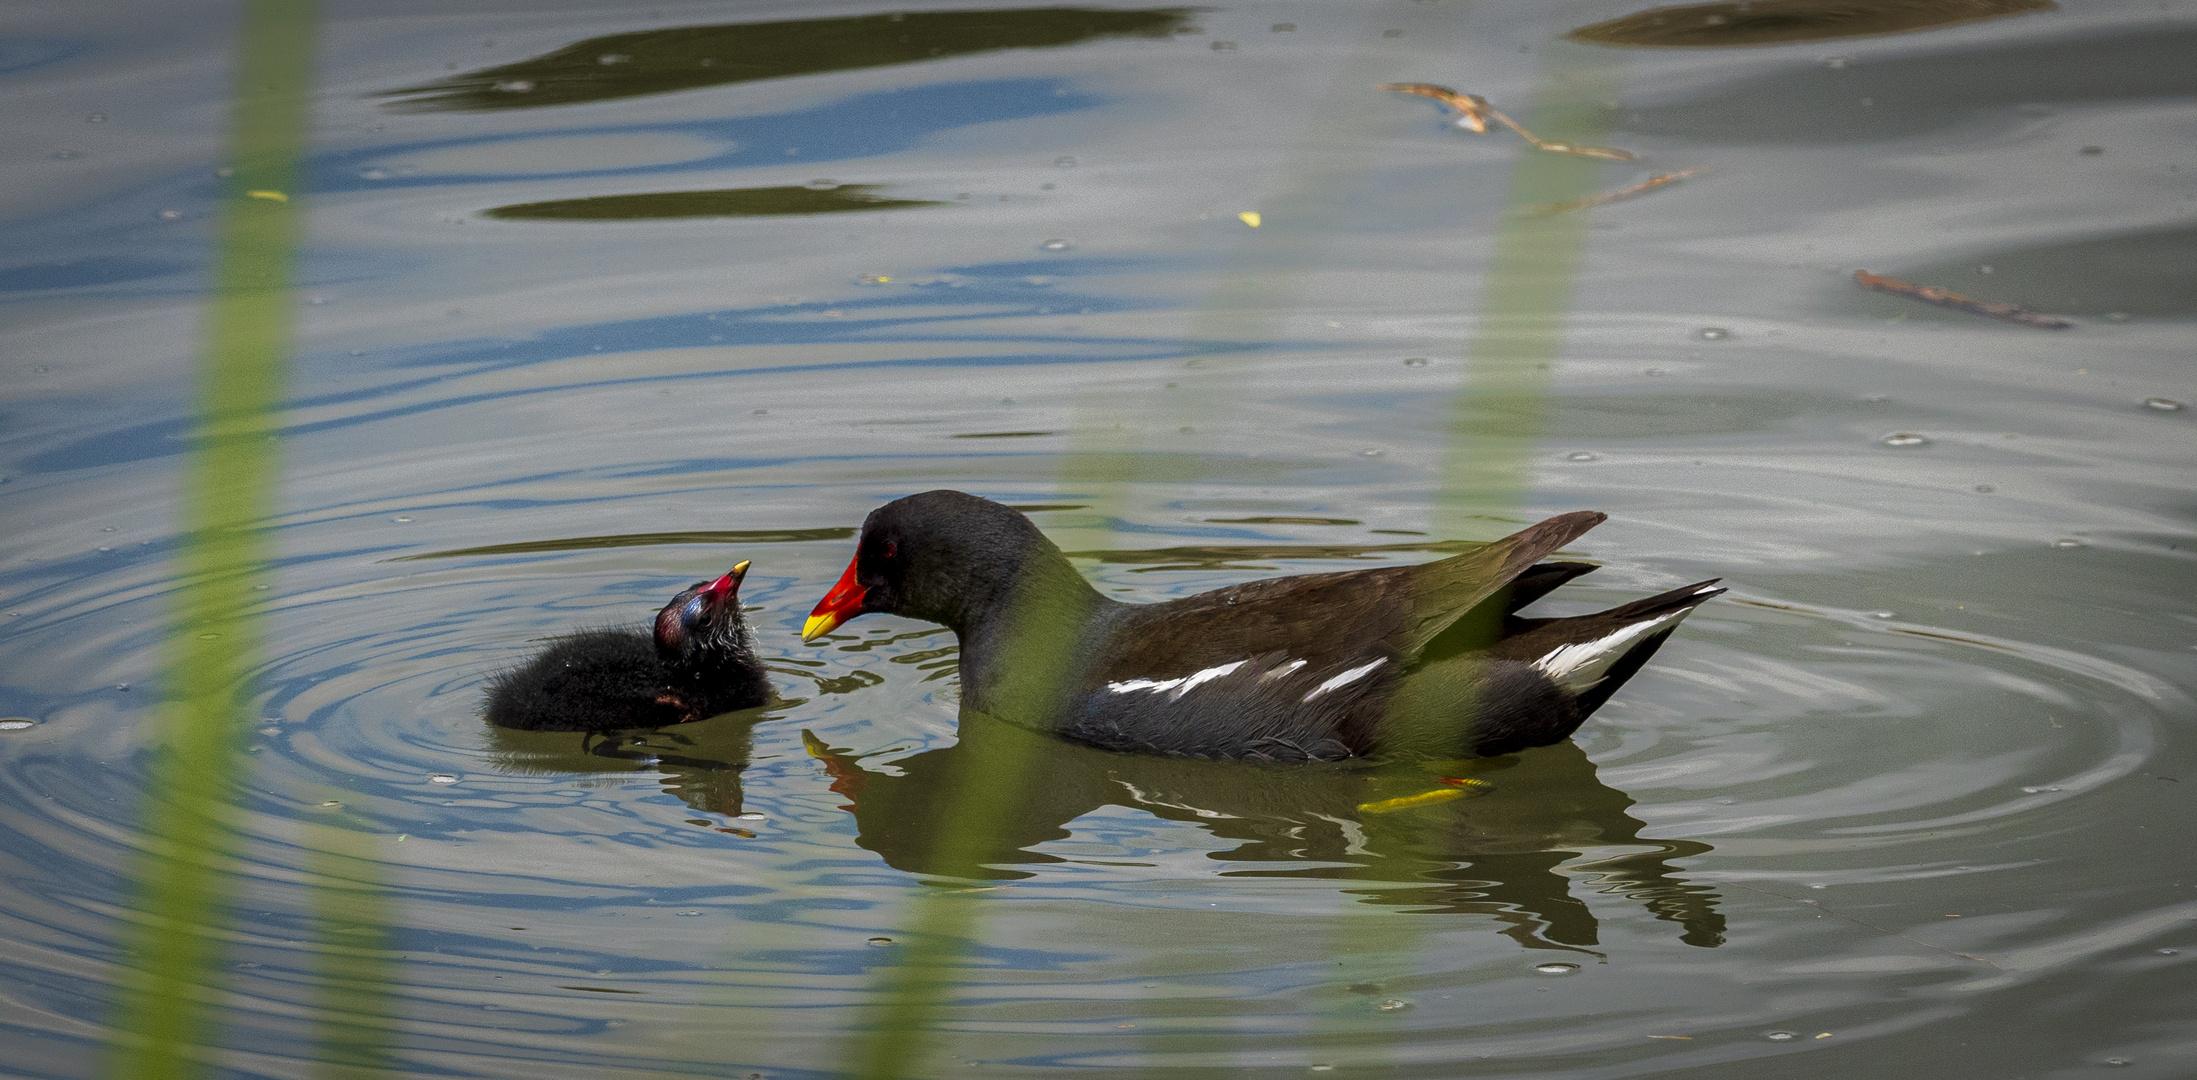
x: 1508, y: 852
x: 700, y: 763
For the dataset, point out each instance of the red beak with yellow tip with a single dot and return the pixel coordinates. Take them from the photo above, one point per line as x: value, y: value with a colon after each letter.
x: 842, y: 603
x: 728, y: 584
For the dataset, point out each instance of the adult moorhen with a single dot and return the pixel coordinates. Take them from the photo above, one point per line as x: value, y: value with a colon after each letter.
x: 700, y: 664
x: 1423, y: 661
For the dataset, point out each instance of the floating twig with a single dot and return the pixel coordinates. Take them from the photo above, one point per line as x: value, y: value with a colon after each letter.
x: 1947, y: 298
x: 1474, y: 113
x: 1584, y: 201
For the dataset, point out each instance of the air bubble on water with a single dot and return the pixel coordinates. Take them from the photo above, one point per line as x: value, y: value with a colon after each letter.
x: 690, y: 913
x: 1055, y: 245
x: 270, y: 731
x: 2169, y: 952
x: 2164, y: 404
x: 1904, y: 438
x: 1392, y: 1005
x: 610, y: 58
x: 515, y: 86
x: 1881, y: 614
x: 1778, y: 1036
x: 17, y: 723
x: 400, y: 519
x: 1415, y: 361
x: 2038, y: 790
x: 442, y: 778
x: 1712, y: 333
x: 1556, y: 968
x: 330, y: 804
x: 2067, y: 542
x: 1581, y: 455
x: 881, y: 942
x: 750, y: 816
x: 170, y: 215
x: 1836, y: 62
x: 373, y: 174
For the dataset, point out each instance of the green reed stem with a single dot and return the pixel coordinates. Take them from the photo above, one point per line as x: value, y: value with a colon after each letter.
x: 167, y: 1005
x: 1500, y: 413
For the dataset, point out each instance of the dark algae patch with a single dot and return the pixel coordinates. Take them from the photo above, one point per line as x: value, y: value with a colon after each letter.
x: 729, y: 202
x: 693, y: 57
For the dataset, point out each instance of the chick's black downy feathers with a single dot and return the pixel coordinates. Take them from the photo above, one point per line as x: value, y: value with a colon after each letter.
x: 701, y: 662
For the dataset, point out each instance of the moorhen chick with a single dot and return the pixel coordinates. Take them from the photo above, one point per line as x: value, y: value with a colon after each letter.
x: 1426, y: 661
x: 700, y: 664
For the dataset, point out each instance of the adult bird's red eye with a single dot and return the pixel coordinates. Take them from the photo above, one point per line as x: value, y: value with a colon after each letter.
x: 891, y: 549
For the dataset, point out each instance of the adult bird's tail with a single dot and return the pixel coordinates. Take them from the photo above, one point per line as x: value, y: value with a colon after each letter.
x: 1593, y: 655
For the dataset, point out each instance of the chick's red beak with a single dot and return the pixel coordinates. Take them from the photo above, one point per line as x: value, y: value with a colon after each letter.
x: 842, y: 603
x: 726, y: 586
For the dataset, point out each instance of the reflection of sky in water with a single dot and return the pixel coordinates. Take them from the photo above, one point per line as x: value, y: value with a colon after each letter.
x: 1947, y: 715
x: 867, y: 125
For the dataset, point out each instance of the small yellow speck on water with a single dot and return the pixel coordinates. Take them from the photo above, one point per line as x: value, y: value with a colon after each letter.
x: 1825, y: 1035
x: 401, y: 836
x: 1250, y: 217
x: 270, y: 196
x: 1424, y: 798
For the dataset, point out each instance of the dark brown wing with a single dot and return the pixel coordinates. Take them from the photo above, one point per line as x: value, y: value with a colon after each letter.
x: 1324, y: 618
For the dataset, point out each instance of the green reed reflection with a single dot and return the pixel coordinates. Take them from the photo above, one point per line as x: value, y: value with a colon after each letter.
x: 693, y: 57
x: 1495, y: 421
x: 354, y: 960
x: 168, y: 1001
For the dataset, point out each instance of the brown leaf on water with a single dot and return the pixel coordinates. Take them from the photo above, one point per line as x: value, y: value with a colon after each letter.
x: 1947, y: 298
x: 1584, y: 201
x: 1474, y: 114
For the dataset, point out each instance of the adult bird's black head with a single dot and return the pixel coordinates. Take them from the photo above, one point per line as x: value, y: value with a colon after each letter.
x: 1430, y: 660
x: 700, y: 663
x: 941, y: 556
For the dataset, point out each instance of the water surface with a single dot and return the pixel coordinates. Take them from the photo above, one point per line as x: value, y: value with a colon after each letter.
x: 1916, y: 794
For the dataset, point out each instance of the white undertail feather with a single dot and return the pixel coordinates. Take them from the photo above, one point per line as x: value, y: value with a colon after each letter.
x: 1579, y: 666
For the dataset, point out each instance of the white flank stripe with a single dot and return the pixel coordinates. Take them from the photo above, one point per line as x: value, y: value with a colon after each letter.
x: 1282, y: 670
x: 1180, y: 685
x: 1579, y: 666
x: 1131, y: 686
x: 1208, y: 675
x: 1346, y: 678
